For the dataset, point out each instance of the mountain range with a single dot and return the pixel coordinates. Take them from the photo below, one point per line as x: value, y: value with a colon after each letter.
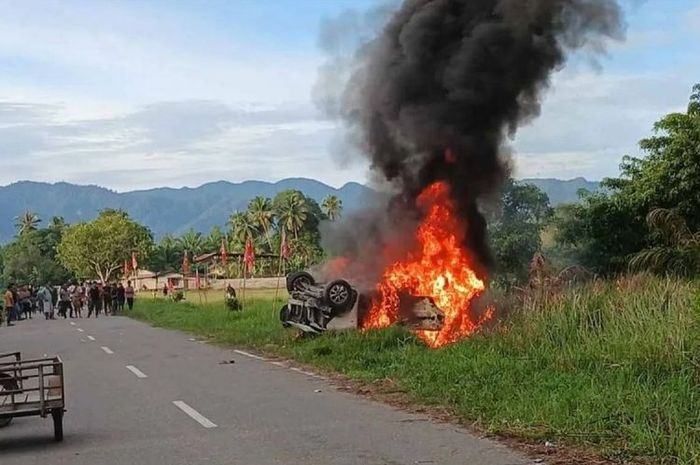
x: 170, y: 210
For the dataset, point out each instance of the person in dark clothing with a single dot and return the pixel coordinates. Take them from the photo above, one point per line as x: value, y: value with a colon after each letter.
x: 107, y: 298
x: 121, y: 297
x: 94, y: 300
x: 64, y: 304
x: 165, y: 290
x: 113, y: 299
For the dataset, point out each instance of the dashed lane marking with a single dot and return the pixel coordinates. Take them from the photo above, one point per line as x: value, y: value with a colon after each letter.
x: 136, y: 371
x: 107, y: 350
x: 195, y: 415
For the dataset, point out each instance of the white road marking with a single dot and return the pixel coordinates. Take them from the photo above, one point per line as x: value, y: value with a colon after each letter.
x: 195, y: 415
x: 248, y: 354
x: 279, y: 364
x: 107, y: 350
x: 136, y: 371
x: 91, y: 338
x: 81, y: 330
x: 72, y: 323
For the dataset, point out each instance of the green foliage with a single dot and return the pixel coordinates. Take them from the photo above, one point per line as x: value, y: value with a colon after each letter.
x: 30, y: 259
x: 611, y: 366
x: 292, y: 210
x: 332, y: 207
x: 608, y: 228
x: 515, y: 229
x: 167, y: 255
x: 98, y: 249
x: 192, y: 242
x: 27, y: 222
x: 677, y: 248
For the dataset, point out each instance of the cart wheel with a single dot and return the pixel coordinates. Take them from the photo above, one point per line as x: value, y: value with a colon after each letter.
x: 57, y: 424
x: 7, y: 383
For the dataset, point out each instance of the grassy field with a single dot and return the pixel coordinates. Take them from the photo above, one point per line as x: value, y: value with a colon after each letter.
x: 612, y: 367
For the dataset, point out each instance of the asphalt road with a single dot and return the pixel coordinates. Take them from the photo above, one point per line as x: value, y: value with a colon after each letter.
x: 141, y: 395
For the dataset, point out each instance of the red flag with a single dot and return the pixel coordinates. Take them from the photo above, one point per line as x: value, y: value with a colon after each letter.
x: 186, y: 263
x: 224, y: 252
x: 284, y: 247
x: 134, y: 263
x: 249, y: 255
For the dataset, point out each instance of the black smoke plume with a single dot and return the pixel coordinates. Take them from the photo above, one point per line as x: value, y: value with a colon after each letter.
x: 436, y: 95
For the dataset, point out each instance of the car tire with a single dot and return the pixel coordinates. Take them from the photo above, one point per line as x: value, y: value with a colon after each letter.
x: 296, y: 280
x: 338, y: 294
x: 284, y: 316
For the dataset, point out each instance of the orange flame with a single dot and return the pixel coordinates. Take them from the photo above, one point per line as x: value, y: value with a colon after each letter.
x: 440, y: 268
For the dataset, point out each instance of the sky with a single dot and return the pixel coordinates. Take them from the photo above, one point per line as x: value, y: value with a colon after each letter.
x: 134, y: 94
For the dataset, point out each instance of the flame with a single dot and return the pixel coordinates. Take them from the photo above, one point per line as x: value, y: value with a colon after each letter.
x: 440, y: 268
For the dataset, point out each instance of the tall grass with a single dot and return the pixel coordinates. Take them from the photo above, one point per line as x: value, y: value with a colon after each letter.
x: 612, y: 366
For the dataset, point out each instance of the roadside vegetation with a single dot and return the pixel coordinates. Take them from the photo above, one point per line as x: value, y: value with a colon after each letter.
x: 611, y: 366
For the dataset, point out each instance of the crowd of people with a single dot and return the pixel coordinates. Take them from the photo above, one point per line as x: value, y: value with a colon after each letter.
x: 70, y: 300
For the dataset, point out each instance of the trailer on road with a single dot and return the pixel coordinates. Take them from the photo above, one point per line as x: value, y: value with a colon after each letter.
x: 32, y: 387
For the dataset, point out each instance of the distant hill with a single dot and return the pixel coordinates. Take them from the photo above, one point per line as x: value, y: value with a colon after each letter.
x: 163, y: 210
x: 168, y: 210
x: 560, y: 191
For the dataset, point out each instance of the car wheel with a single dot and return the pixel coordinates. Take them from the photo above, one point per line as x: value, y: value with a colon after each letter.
x: 338, y: 293
x: 284, y: 316
x: 298, y: 280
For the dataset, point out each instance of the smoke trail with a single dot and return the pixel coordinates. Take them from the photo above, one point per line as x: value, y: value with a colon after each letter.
x: 461, y: 75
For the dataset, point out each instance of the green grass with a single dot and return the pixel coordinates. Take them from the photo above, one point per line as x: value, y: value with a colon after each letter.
x: 612, y: 366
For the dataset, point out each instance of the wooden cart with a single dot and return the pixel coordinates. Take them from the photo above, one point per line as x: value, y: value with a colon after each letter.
x: 32, y: 388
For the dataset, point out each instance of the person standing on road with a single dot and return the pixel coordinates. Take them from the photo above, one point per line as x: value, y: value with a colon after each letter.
x: 64, y: 303
x: 129, y: 294
x: 45, y: 301
x: 107, y: 298
x: 121, y: 297
x: 9, y: 305
x: 94, y: 300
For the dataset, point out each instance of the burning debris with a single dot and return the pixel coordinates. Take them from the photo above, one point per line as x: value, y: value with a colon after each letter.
x: 431, y: 101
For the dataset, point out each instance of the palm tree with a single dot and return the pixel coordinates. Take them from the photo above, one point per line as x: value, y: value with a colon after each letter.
x: 263, y: 215
x: 57, y: 223
x: 678, y: 250
x: 26, y: 222
x: 168, y: 254
x: 213, y: 240
x: 332, y: 206
x: 192, y: 241
x: 291, y: 212
x: 242, y: 227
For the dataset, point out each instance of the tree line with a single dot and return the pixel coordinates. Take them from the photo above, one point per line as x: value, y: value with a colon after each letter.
x: 100, y: 249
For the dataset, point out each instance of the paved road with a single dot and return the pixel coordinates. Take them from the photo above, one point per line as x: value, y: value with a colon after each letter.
x: 177, y: 404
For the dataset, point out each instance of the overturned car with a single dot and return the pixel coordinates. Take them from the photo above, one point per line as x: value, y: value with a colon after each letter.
x: 336, y: 305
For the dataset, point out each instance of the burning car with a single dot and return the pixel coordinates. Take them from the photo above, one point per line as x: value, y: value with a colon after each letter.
x: 316, y: 307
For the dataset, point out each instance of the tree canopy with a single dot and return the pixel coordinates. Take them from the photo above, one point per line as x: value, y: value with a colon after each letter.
x: 608, y: 228
x: 98, y: 249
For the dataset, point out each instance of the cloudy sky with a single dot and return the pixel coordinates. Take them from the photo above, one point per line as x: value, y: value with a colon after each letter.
x: 138, y: 94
